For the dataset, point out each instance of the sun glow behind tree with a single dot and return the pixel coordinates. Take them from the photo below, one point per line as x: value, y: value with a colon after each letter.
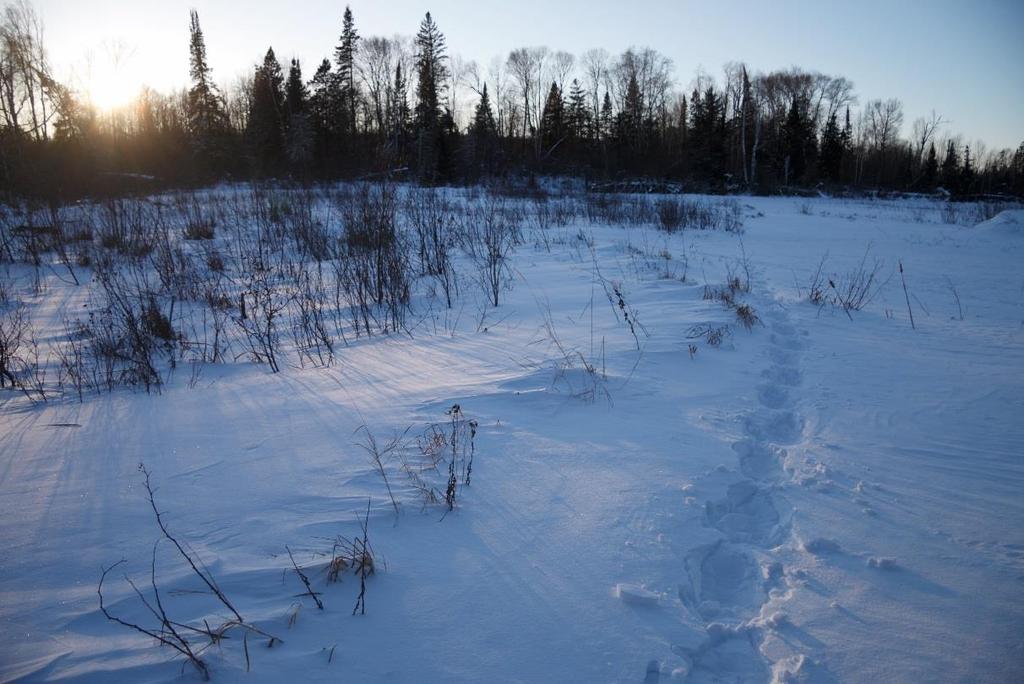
x: 113, y: 78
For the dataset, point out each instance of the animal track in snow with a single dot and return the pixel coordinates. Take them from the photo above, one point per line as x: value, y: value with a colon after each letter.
x: 778, y: 426
x: 783, y: 375
x: 760, y: 461
x: 726, y: 583
x: 728, y: 656
x: 727, y: 586
x: 772, y: 396
x: 746, y: 514
x: 786, y: 342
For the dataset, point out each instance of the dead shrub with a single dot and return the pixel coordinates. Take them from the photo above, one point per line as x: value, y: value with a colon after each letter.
x: 747, y: 316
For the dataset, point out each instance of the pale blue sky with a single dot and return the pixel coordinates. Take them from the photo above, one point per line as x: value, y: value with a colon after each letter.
x: 964, y: 59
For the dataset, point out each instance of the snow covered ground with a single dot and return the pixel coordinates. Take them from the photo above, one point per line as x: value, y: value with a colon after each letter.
x: 828, y: 496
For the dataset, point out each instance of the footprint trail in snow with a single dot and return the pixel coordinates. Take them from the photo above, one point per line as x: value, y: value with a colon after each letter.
x: 728, y: 584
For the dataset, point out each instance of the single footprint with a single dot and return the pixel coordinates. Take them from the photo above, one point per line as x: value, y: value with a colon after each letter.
x: 759, y: 461
x: 780, y: 427
x: 746, y: 514
x: 772, y: 396
x: 782, y: 375
x: 725, y: 583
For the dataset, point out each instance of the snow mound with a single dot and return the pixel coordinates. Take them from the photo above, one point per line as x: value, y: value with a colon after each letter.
x: 1006, y: 222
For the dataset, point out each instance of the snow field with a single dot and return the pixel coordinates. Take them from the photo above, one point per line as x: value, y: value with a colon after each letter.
x: 822, y: 498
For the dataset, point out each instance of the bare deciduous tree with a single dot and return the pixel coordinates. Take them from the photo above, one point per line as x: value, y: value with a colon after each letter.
x: 527, y: 68
x: 595, y: 67
x: 924, y: 131
x: 882, y: 122
x: 27, y: 89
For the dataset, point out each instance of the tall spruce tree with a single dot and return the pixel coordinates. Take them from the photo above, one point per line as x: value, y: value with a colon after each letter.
x: 967, y: 172
x: 951, y: 169
x: 399, y: 116
x: 432, y: 74
x: 295, y: 91
x: 206, y: 117
x: 344, y: 59
x: 707, y: 133
x: 265, y: 127
x: 298, y: 128
x: 630, y: 121
x: 831, y: 150
x: 578, y: 113
x: 552, y: 120
x: 483, y: 117
x: 1017, y: 171
x: 606, y: 125
x: 321, y: 115
x: 748, y: 116
x: 930, y: 172
x: 482, y: 140
x: 798, y: 141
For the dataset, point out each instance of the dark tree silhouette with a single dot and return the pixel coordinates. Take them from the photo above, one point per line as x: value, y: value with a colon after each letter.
x: 264, y: 133
x: 432, y: 74
x: 369, y: 108
x: 207, y: 121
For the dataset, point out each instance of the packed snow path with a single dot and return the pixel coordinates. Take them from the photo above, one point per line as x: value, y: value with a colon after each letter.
x: 734, y: 583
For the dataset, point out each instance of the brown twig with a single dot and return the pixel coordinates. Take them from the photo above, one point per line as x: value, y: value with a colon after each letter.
x: 207, y: 579
x: 305, y: 581
x: 363, y: 563
x: 175, y: 641
x: 906, y: 296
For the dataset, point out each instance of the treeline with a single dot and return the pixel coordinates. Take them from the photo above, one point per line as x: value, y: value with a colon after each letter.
x: 406, y: 108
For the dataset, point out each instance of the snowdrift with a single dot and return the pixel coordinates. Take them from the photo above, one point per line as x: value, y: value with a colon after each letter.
x: 1006, y: 222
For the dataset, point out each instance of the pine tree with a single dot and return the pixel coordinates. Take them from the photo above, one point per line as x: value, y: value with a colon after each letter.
x: 398, y: 111
x: 707, y: 133
x: 951, y: 169
x: 1017, y: 171
x: 295, y: 91
x: 967, y: 172
x: 483, y: 137
x: 697, y: 115
x: 298, y: 130
x: 552, y: 120
x: 798, y: 141
x: 630, y: 122
x: 483, y: 117
x: 578, y: 113
x: 321, y: 115
x: 684, y: 118
x: 748, y: 115
x: 606, y: 125
x: 432, y: 73
x: 344, y: 59
x: 831, y: 150
x: 847, y: 132
x: 265, y: 128
x: 446, y: 148
x: 930, y: 173
x: 204, y: 107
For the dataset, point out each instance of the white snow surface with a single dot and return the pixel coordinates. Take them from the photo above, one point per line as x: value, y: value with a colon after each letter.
x: 822, y: 498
